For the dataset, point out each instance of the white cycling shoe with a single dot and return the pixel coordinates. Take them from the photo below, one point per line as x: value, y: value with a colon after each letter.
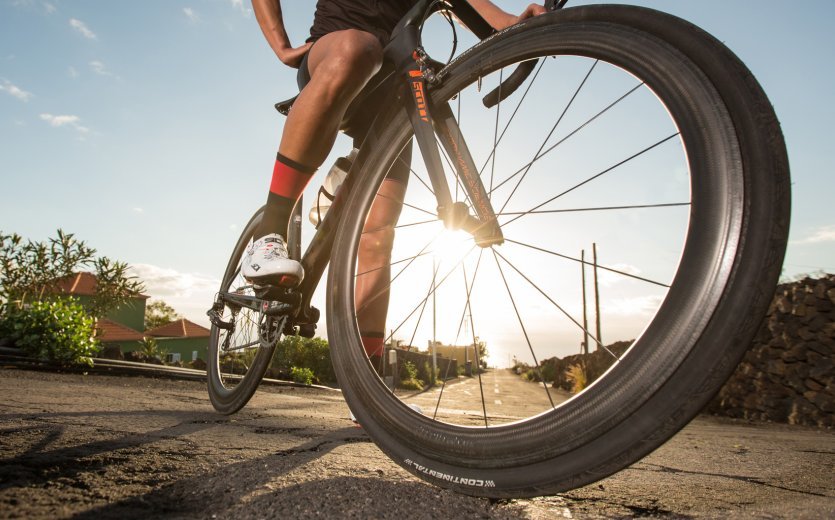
x: 266, y: 262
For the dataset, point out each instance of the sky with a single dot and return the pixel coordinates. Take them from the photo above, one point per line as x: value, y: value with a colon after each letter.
x: 147, y: 128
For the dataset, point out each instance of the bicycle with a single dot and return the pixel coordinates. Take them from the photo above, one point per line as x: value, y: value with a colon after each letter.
x: 705, y: 140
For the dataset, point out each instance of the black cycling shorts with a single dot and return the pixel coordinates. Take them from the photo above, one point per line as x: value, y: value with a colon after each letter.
x: 377, y: 17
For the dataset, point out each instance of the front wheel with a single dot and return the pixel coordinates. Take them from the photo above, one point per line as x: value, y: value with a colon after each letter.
x: 640, y: 171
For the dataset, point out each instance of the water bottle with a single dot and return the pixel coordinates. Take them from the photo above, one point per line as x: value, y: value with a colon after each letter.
x: 327, y: 192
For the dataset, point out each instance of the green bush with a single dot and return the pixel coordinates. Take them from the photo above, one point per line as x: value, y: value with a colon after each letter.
x: 57, y: 330
x: 302, y: 375
x: 310, y: 353
x: 433, y: 376
x: 409, y: 377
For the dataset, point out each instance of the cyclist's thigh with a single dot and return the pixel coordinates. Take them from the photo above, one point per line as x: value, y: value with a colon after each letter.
x: 360, y: 50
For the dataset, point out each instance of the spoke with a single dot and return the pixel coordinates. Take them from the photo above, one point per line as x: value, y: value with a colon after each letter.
x: 522, y: 325
x: 573, y: 259
x: 422, y: 222
x: 402, y: 203
x: 603, y: 208
x: 415, y: 174
x: 391, y: 281
x: 548, y: 137
x: 494, y: 152
x: 478, y: 366
x: 468, y: 291
x: 443, y: 280
x: 453, y: 170
x: 425, y: 301
x: 422, y: 253
x: 399, y: 226
x: 512, y: 116
x: 555, y: 304
x: 594, y: 177
x: 419, y: 178
x: 564, y: 139
x: 458, y: 122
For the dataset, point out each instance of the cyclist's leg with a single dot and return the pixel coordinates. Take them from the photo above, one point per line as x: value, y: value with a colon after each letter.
x: 374, y: 256
x: 340, y: 64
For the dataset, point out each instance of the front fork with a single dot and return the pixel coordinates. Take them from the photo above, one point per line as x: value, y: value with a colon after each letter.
x: 430, y: 120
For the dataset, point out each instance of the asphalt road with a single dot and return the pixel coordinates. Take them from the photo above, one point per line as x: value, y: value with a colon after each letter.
x: 134, y: 447
x: 499, y: 395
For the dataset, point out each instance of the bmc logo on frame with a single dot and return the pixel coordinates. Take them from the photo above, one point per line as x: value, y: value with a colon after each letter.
x: 450, y: 478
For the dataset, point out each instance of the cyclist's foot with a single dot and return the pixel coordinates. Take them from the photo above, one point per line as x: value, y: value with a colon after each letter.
x: 266, y: 262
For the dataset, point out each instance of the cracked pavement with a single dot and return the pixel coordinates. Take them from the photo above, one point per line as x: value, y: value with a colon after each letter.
x: 95, y: 446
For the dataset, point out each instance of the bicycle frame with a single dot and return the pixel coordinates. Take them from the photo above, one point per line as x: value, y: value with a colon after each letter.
x: 413, y: 75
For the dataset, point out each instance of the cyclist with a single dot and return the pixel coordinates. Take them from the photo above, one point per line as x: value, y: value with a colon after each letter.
x: 343, y: 52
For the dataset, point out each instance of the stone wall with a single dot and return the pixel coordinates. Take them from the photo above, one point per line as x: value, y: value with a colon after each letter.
x: 788, y: 374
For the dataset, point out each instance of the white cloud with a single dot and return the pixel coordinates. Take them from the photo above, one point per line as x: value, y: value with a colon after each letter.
x: 49, y: 8
x: 608, y: 278
x: 166, y: 282
x: 72, y: 72
x: 192, y: 16
x: 82, y: 28
x: 65, y: 120
x: 138, y: 210
x: 239, y: 5
x: 99, y: 68
x: 189, y: 293
x: 635, y: 306
x: 821, y: 234
x: 15, y: 91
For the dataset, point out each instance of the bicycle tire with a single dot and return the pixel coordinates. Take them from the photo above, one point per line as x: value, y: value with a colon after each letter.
x: 729, y: 267
x: 229, y: 392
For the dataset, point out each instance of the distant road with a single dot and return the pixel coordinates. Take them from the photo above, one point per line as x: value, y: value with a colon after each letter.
x: 507, y: 397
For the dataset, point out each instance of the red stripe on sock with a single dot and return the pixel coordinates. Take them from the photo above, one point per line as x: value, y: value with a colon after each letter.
x: 373, y: 346
x: 287, y: 181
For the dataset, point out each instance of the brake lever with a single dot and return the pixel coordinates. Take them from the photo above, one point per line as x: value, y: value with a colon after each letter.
x: 518, y: 76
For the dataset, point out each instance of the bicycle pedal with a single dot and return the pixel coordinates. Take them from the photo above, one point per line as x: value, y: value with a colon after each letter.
x: 276, y: 308
x: 278, y: 294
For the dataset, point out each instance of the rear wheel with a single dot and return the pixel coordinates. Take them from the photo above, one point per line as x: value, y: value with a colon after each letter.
x: 240, y: 354
x: 639, y: 139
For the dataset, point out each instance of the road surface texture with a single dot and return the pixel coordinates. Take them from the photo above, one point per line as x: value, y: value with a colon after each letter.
x: 101, y: 447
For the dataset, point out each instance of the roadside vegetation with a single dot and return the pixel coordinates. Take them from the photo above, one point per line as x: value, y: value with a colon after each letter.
x: 572, y: 373
x: 303, y: 360
x: 36, y: 317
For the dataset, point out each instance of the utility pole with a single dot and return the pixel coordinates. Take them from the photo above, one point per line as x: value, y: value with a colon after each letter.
x: 596, y: 297
x: 434, y: 323
x: 585, y: 317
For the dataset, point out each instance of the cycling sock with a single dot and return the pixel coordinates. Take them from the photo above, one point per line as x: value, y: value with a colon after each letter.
x: 288, y: 183
x: 373, y: 343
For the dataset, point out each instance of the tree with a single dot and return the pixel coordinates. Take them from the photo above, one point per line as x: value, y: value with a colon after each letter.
x: 29, y: 272
x: 482, y: 352
x: 159, y: 313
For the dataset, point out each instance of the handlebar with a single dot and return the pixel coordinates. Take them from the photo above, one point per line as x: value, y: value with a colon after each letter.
x: 518, y: 76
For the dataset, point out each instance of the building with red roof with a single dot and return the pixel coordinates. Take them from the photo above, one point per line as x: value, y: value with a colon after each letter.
x: 184, y: 340
x: 120, y: 326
